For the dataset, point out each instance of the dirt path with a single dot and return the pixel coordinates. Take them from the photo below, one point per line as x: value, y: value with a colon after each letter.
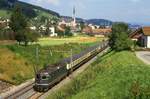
x: 144, y: 56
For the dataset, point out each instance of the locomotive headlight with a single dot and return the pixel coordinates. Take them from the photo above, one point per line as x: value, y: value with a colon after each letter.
x: 58, y: 67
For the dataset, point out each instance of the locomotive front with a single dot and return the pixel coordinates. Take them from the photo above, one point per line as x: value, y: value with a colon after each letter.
x: 48, y: 77
x: 42, y: 81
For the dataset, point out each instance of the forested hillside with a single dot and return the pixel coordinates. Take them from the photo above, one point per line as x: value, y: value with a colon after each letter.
x: 29, y: 10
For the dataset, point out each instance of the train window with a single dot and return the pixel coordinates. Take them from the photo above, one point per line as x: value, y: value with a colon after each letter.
x: 44, y: 78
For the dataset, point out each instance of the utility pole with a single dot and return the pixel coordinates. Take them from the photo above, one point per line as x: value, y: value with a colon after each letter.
x: 71, y: 60
x: 71, y: 57
x: 49, y: 54
x: 37, y: 60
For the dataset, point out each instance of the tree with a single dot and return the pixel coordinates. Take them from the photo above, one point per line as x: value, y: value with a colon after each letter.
x: 27, y: 36
x: 18, y: 23
x: 33, y: 36
x: 68, y: 31
x: 119, y: 39
x: 82, y: 25
x: 48, y: 31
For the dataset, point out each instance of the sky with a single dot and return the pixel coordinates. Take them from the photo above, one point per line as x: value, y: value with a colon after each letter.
x: 133, y: 11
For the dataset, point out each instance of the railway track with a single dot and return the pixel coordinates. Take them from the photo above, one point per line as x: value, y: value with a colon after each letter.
x: 22, y: 93
x: 36, y: 95
x: 26, y: 92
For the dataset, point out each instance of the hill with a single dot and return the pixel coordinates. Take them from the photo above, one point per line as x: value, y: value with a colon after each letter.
x: 88, y: 21
x: 69, y: 19
x: 29, y: 10
x: 99, y: 22
x: 117, y: 75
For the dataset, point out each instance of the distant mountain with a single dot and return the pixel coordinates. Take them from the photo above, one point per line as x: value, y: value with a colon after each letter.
x: 134, y: 26
x: 99, y: 22
x: 69, y: 19
x: 89, y: 21
x: 29, y: 10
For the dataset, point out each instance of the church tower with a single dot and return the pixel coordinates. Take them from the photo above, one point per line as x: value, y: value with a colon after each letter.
x: 74, y: 17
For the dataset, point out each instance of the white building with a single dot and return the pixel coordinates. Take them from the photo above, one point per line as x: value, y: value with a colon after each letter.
x: 92, y: 26
x: 142, y: 36
x: 33, y: 28
x: 145, y: 38
x: 63, y: 22
x: 53, y: 34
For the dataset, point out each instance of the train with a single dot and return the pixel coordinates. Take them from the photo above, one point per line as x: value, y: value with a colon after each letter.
x: 46, y: 78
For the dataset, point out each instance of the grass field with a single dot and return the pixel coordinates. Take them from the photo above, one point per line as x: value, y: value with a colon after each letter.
x: 114, y: 76
x: 4, y: 14
x: 58, y: 41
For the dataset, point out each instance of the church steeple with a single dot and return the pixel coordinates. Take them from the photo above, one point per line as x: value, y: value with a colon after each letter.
x: 74, y: 16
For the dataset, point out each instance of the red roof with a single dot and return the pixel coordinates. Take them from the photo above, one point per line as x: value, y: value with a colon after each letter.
x: 102, y: 31
x: 87, y: 29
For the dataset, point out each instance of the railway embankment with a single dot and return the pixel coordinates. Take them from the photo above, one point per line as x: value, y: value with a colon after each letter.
x: 115, y: 75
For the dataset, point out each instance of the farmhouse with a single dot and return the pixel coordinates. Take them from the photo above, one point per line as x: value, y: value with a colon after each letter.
x: 145, y: 39
x: 102, y: 32
x: 142, y: 36
x: 87, y: 30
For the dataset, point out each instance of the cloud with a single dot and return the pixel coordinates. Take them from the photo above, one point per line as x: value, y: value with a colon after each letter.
x: 46, y: 2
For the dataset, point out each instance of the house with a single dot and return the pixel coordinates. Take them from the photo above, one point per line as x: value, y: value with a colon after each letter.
x: 136, y: 34
x: 32, y: 28
x: 66, y: 23
x: 101, y: 32
x: 98, y: 32
x: 92, y: 26
x: 53, y: 34
x: 142, y: 36
x: 87, y: 30
x: 145, y: 38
